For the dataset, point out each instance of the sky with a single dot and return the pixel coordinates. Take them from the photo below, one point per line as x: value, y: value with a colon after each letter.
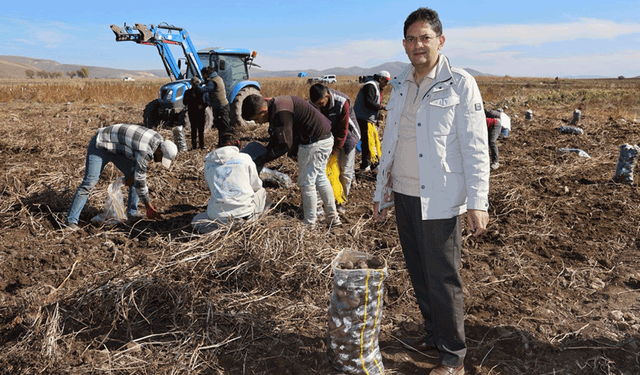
x: 520, y: 39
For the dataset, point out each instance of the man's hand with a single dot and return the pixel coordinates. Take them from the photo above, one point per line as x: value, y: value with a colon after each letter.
x: 477, y: 221
x: 129, y: 182
x: 378, y: 214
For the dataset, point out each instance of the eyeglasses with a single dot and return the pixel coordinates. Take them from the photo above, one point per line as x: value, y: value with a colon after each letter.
x: 424, y: 39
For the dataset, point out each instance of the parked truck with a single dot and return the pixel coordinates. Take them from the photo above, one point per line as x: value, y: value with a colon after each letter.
x: 232, y: 65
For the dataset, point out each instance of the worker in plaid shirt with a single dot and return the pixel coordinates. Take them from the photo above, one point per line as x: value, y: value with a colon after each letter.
x: 130, y: 148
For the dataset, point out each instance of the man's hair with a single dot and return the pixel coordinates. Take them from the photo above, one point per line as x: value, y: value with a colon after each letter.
x: 251, y: 105
x: 228, y: 139
x: 317, y: 92
x: 425, y: 15
x: 207, y: 71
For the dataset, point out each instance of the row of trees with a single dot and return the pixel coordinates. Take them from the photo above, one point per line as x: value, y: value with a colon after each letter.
x: 82, y: 73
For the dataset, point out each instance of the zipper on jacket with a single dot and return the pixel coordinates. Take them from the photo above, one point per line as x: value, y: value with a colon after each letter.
x: 434, y: 85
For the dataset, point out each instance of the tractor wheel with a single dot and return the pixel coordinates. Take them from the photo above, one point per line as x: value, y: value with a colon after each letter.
x: 236, y: 107
x: 150, y: 116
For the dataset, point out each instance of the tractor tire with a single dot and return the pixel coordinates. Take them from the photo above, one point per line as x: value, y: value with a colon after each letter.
x: 236, y: 106
x: 150, y: 117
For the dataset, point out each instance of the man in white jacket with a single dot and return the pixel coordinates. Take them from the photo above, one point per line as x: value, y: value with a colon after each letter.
x: 236, y: 189
x: 434, y: 167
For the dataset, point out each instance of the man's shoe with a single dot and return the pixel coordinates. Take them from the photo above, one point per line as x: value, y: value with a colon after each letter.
x: 135, y: 217
x: 341, y: 208
x: 70, y: 227
x: 495, y: 166
x: 420, y: 344
x: 333, y: 221
x: 447, y: 370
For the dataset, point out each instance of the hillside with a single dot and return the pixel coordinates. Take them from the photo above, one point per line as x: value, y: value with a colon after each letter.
x: 15, y: 67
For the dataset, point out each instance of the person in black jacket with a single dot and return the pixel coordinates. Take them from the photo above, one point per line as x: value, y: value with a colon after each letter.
x: 211, y: 94
x: 367, y: 108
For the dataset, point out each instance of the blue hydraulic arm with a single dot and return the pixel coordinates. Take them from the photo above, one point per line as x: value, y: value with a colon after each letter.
x: 161, y: 36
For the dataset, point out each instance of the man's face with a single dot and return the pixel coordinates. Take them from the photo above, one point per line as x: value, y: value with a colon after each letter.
x: 157, y: 155
x: 262, y: 116
x: 322, y: 102
x: 422, y: 45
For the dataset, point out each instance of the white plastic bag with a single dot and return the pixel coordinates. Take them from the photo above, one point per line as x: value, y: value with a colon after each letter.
x: 505, y: 121
x: 114, y: 209
x: 279, y: 178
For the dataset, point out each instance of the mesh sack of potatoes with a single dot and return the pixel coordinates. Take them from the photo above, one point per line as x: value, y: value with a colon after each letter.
x: 355, y: 313
x: 626, y: 163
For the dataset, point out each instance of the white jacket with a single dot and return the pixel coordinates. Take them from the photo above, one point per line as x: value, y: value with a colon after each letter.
x: 233, y: 179
x: 451, y: 133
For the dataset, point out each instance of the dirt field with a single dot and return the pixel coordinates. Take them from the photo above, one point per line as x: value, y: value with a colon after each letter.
x: 553, y: 287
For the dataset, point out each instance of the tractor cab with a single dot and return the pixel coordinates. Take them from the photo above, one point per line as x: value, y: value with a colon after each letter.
x: 232, y: 65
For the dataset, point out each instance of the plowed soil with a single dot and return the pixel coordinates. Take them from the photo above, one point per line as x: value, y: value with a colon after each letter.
x: 552, y: 287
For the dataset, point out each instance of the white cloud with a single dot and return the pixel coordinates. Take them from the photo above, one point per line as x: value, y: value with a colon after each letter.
x: 546, y: 49
x: 537, y: 34
x: 363, y: 53
x: 511, y: 49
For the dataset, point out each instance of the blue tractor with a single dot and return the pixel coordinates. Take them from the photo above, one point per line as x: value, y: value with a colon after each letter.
x: 231, y: 64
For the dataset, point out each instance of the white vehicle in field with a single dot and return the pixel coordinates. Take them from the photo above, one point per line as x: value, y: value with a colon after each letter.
x: 128, y: 79
x: 327, y: 78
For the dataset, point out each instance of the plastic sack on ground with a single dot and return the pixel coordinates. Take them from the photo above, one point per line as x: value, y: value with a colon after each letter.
x: 179, y: 138
x: 355, y: 313
x: 114, y: 209
x: 276, y: 177
x: 576, y: 150
x: 333, y: 173
x: 626, y: 164
x: 571, y: 130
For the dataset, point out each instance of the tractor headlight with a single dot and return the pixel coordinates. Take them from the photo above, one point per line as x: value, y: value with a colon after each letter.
x: 168, y: 94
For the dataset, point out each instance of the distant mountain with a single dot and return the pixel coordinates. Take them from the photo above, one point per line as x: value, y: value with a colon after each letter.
x: 394, y: 68
x: 15, y: 67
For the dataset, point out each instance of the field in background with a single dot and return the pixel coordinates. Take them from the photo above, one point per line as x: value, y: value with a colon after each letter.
x: 620, y: 96
x: 553, y: 287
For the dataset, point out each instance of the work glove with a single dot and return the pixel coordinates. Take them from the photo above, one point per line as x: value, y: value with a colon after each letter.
x: 152, y: 213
